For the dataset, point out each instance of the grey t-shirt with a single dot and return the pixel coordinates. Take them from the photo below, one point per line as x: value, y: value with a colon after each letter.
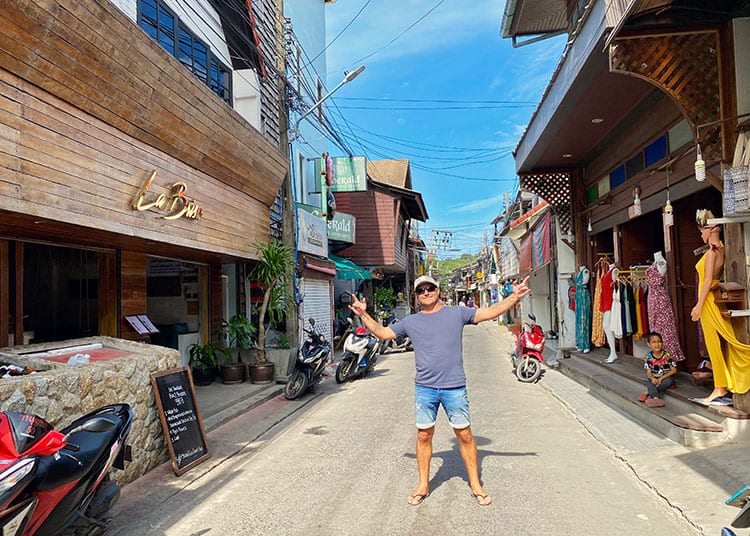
x: 438, y: 348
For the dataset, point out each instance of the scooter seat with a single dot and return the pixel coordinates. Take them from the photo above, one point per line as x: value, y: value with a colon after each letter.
x: 92, y: 445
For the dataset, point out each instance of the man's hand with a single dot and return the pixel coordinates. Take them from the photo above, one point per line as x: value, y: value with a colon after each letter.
x: 520, y: 290
x: 358, y: 307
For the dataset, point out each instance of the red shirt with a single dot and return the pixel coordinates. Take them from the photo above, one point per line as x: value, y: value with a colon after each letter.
x: 608, y: 288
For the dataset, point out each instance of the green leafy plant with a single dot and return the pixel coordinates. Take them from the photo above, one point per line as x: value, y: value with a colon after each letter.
x: 271, y: 273
x: 205, y: 356
x: 385, y: 297
x: 282, y: 342
x: 239, y: 333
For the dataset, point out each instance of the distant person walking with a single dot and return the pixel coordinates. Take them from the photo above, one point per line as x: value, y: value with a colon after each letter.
x: 440, y: 380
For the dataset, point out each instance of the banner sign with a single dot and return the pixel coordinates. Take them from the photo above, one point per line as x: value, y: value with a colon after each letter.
x: 349, y: 173
x: 342, y: 227
x: 312, y: 234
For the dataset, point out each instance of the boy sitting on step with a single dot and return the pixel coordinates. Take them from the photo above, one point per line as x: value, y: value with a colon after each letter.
x: 660, y: 367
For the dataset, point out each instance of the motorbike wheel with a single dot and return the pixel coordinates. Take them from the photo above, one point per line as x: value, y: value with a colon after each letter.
x: 296, y: 385
x: 344, y: 370
x: 529, y: 369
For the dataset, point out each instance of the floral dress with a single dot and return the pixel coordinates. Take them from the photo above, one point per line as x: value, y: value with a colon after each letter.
x: 660, y: 313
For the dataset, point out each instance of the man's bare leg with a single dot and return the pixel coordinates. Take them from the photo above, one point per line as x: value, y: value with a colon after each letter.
x: 424, y: 455
x: 468, y: 448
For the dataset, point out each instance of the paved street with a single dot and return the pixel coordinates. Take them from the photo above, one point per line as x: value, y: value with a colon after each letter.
x: 346, y: 464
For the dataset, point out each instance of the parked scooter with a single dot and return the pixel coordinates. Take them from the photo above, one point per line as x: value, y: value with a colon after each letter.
x: 360, y: 354
x: 739, y: 500
x: 527, y: 359
x: 58, y: 482
x: 311, y: 362
x: 399, y: 344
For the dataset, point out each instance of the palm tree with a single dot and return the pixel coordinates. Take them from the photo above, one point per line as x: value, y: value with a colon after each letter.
x: 271, y: 272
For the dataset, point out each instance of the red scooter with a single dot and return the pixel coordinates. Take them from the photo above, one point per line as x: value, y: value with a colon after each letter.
x: 527, y: 359
x: 57, y: 483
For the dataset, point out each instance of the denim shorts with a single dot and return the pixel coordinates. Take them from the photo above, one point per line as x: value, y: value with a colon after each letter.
x: 455, y: 403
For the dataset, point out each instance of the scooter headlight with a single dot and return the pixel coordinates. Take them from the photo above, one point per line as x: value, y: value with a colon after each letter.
x: 15, y: 474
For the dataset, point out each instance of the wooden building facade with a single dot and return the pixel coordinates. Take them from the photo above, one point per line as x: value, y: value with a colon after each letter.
x: 123, y: 178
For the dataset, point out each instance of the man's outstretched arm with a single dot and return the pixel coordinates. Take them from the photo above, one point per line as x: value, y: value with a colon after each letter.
x: 359, y: 308
x: 520, y: 290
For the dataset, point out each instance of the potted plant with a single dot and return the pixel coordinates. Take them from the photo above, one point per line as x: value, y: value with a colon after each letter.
x: 204, y: 362
x: 280, y: 354
x: 274, y: 266
x: 238, y: 332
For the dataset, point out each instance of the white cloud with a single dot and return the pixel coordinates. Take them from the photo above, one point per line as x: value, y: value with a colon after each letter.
x: 479, y: 204
x: 383, y: 20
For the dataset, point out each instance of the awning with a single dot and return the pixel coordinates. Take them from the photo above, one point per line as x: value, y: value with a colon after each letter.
x: 346, y: 269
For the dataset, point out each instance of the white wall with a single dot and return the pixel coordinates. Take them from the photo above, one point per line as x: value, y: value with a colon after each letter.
x: 566, y: 269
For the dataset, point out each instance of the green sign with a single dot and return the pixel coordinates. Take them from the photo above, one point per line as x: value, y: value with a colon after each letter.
x: 342, y: 227
x: 349, y: 173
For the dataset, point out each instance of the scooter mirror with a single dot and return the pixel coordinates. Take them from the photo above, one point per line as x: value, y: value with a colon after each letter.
x: 532, y: 317
x: 312, y: 321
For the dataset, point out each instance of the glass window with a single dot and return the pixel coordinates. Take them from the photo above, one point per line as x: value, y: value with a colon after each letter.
x: 655, y: 151
x: 634, y: 165
x: 617, y: 177
x: 603, y: 185
x: 592, y: 194
x: 679, y: 135
x: 174, y: 37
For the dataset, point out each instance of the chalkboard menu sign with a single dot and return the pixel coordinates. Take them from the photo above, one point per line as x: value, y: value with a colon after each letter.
x: 180, y: 418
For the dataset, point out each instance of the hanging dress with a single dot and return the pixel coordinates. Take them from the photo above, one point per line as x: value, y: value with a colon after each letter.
x: 583, y: 313
x: 597, y: 331
x: 731, y: 364
x: 660, y: 313
x: 615, y: 324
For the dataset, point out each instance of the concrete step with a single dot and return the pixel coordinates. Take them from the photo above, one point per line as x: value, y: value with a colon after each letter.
x: 684, y: 422
x: 238, y: 404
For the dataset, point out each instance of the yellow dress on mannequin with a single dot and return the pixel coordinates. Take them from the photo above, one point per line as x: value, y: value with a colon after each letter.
x: 730, y: 358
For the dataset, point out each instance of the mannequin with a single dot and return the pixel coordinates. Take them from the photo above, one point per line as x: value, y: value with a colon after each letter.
x: 607, y: 298
x: 660, y: 311
x: 730, y: 358
x: 661, y: 262
x: 583, y: 310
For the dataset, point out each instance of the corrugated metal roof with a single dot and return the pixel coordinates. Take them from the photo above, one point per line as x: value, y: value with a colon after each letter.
x: 534, y: 17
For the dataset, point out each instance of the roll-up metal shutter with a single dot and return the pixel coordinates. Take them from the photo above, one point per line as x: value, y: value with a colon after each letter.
x: 317, y: 296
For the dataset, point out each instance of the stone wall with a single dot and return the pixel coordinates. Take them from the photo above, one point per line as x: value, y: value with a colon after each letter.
x: 60, y: 393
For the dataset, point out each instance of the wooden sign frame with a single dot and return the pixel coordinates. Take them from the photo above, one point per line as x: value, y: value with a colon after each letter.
x: 180, y: 418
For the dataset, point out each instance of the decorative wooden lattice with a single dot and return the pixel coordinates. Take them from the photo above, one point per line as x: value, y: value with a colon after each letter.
x: 683, y: 65
x: 553, y: 187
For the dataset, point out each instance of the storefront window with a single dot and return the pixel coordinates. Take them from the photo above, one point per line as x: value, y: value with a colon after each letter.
x: 60, y: 293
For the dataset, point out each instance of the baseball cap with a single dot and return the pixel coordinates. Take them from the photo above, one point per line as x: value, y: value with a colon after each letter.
x: 425, y: 279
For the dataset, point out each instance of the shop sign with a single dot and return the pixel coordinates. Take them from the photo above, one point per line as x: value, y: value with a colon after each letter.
x: 349, y: 174
x: 173, y: 205
x: 312, y: 234
x: 342, y: 227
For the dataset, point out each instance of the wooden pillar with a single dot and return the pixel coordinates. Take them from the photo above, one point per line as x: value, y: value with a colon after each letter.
x: 132, y: 291
x: 107, y: 301
x: 4, y: 292
x: 18, y: 306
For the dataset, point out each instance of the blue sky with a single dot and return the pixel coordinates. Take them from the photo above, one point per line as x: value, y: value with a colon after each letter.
x: 455, y: 53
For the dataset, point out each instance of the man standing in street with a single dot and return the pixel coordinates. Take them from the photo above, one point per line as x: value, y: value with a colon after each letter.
x: 436, y: 333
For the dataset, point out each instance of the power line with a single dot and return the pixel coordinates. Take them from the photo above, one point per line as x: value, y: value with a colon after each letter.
x: 341, y: 32
x: 412, y: 25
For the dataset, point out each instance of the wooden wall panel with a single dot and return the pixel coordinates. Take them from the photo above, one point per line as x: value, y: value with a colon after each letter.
x: 58, y: 163
x: 376, y: 225
x: 107, y: 302
x: 133, y: 267
x: 92, y: 56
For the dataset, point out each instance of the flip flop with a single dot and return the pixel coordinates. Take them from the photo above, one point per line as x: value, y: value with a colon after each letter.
x: 416, y: 499
x: 482, y: 499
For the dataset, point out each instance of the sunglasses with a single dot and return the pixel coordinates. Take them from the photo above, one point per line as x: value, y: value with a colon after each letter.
x: 426, y: 288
